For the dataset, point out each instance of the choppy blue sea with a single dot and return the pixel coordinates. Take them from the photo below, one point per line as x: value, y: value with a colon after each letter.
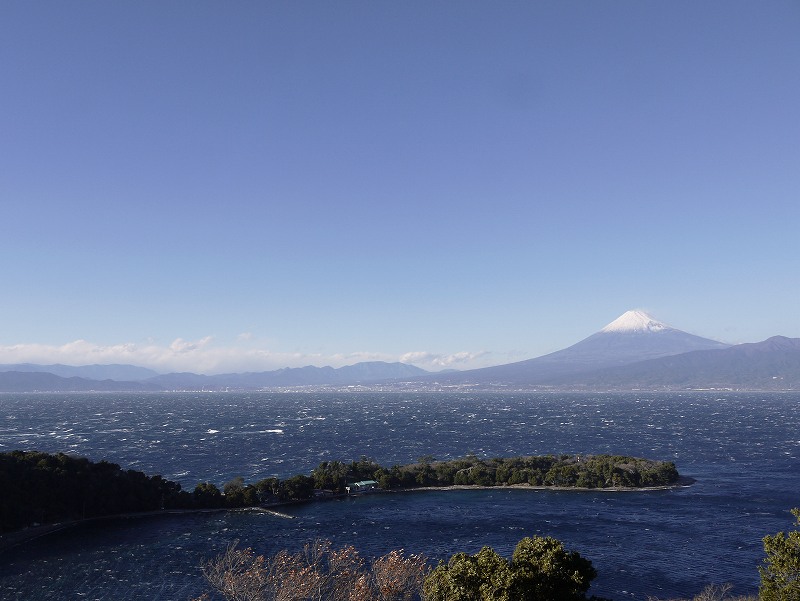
x: 743, y: 451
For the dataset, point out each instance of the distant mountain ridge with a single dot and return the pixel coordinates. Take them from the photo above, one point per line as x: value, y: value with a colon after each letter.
x: 633, y: 352
x: 37, y: 381
x: 773, y: 364
x: 92, y: 372
x: 632, y: 337
x: 36, y: 378
x: 360, y: 373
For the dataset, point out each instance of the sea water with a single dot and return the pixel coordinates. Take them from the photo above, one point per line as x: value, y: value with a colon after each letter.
x: 741, y: 449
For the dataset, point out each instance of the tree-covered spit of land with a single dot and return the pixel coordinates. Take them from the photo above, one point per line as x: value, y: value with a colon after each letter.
x: 44, y: 488
x: 571, y: 471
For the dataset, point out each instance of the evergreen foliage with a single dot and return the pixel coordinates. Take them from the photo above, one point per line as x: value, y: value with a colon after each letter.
x: 582, y: 471
x: 780, y: 572
x: 44, y: 488
x: 540, y: 570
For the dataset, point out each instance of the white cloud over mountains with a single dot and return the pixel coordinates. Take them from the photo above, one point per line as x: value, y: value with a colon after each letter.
x: 426, y: 360
x: 204, y: 356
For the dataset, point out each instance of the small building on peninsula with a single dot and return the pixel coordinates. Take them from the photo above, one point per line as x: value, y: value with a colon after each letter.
x: 361, y: 487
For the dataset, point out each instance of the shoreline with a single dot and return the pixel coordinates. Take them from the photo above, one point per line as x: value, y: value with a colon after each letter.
x: 9, y: 540
x: 13, y: 539
x: 682, y: 482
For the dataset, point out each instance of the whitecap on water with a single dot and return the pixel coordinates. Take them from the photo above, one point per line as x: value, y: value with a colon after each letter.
x: 272, y: 431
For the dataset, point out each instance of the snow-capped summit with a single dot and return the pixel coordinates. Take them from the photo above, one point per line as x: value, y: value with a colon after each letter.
x: 636, y: 321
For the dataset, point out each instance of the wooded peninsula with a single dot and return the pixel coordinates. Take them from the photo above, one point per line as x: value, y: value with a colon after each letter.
x: 42, y: 488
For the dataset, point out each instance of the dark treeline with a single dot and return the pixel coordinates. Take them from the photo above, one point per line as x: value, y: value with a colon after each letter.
x: 576, y: 471
x: 44, y: 488
x: 581, y: 471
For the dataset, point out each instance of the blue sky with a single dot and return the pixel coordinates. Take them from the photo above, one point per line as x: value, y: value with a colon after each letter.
x: 214, y: 187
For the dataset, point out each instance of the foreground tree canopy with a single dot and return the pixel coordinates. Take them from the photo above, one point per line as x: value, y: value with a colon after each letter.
x: 44, y: 488
x: 780, y: 572
x: 540, y: 570
x: 319, y: 572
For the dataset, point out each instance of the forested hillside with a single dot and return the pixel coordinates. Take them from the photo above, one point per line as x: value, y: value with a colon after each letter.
x: 40, y: 488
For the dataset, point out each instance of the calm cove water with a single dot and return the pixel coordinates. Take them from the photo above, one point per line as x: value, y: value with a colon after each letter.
x: 742, y: 449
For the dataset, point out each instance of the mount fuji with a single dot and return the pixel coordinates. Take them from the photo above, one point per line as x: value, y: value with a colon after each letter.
x: 634, y: 336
